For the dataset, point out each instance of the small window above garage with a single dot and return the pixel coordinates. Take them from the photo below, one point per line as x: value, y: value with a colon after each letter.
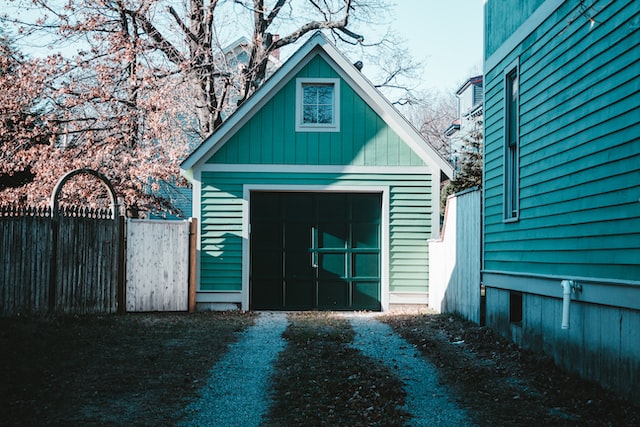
x: 317, y: 105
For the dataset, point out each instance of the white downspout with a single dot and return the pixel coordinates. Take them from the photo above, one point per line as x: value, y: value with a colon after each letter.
x: 568, y: 286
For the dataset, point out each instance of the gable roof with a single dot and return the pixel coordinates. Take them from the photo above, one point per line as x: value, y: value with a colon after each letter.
x: 318, y: 44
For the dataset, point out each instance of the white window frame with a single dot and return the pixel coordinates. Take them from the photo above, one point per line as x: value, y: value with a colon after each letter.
x: 318, y: 127
x: 511, y: 184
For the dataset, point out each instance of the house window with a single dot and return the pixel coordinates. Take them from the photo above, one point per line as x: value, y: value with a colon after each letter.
x: 512, y: 143
x: 317, y: 105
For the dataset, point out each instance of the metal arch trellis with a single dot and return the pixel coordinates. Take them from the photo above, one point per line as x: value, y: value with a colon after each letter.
x: 69, y: 175
x: 55, y: 231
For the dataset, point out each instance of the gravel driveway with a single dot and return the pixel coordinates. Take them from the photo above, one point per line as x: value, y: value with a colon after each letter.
x: 427, y: 400
x: 238, y: 393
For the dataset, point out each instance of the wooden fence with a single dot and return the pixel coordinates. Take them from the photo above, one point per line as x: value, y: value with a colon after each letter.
x: 454, y: 259
x: 74, y: 263
x: 64, y: 263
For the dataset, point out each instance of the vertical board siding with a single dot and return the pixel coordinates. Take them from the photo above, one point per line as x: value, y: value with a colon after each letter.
x: 221, y: 223
x: 602, y: 343
x: 157, y: 265
x: 269, y: 137
x: 454, y: 273
x: 579, y: 149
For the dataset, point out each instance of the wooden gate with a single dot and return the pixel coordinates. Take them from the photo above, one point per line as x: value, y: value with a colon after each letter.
x: 157, y: 262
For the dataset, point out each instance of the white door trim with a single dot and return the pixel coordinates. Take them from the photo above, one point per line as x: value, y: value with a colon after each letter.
x: 384, y: 247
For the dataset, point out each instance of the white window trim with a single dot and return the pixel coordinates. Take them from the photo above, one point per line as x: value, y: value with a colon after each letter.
x: 508, y: 213
x: 315, y: 127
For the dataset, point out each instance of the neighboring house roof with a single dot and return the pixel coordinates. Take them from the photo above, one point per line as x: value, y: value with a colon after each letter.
x: 318, y: 44
x: 453, y: 128
x: 470, y: 81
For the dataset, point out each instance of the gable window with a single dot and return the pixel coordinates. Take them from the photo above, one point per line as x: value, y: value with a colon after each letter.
x: 512, y: 143
x: 317, y: 105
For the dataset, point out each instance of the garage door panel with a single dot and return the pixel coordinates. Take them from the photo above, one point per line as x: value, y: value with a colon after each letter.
x: 297, y: 237
x: 367, y: 208
x: 366, y: 235
x: 297, y: 206
x: 315, y: 250
x: 266, y: 236
x: 332, y: 265
x: 333, y: 295
x: 267, y: 296
x: 267, y: 264
x: 333, y: 207
x: 366, y: 295
x: 298, y: 265
x: 333, y: 235
x: 299, y: 294
x: 366, y: 265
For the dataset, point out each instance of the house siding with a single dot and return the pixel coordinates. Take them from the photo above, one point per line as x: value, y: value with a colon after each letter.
x: 579, y: 214
x: 503, y: 19
x: 269, y: 137
x: 410, y: 225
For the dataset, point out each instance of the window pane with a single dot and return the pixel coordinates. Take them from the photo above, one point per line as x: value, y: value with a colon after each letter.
x: 325, y: 95
x: 310, y: 94
x: 325, y: 114
x: 511, y: 145
x: 310, y: 114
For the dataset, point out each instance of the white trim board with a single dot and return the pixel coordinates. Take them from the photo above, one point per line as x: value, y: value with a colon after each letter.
x: 333, y: 169
x: 615, y: 293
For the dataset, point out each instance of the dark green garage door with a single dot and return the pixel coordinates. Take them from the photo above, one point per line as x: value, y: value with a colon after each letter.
x: 315, y: 251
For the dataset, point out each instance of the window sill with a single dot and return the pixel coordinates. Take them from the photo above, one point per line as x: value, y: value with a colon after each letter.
x: 511, y: 220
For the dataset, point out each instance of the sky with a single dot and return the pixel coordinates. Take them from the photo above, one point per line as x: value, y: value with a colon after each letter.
x: 446, y: 36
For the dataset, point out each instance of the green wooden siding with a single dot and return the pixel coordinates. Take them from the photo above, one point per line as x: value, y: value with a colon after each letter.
x: 269, y: 137
x: 509, y: 18
x: 221, y: 223
x: 579, y: 149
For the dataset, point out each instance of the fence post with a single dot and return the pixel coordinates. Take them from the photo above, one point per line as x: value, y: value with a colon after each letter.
x: 193, y: 236
x: 122, y: 265
x: 53, y: 270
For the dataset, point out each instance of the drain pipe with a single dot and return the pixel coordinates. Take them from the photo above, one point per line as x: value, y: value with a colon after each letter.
x: 568, y: 287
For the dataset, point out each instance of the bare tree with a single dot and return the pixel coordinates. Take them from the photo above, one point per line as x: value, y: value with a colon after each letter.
x: 147, y: 78
x: 432, y: 115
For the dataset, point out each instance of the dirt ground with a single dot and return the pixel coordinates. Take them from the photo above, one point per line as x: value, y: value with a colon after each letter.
x: 500, y: 384
x: 134, y: 369
x: 144, y: 368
